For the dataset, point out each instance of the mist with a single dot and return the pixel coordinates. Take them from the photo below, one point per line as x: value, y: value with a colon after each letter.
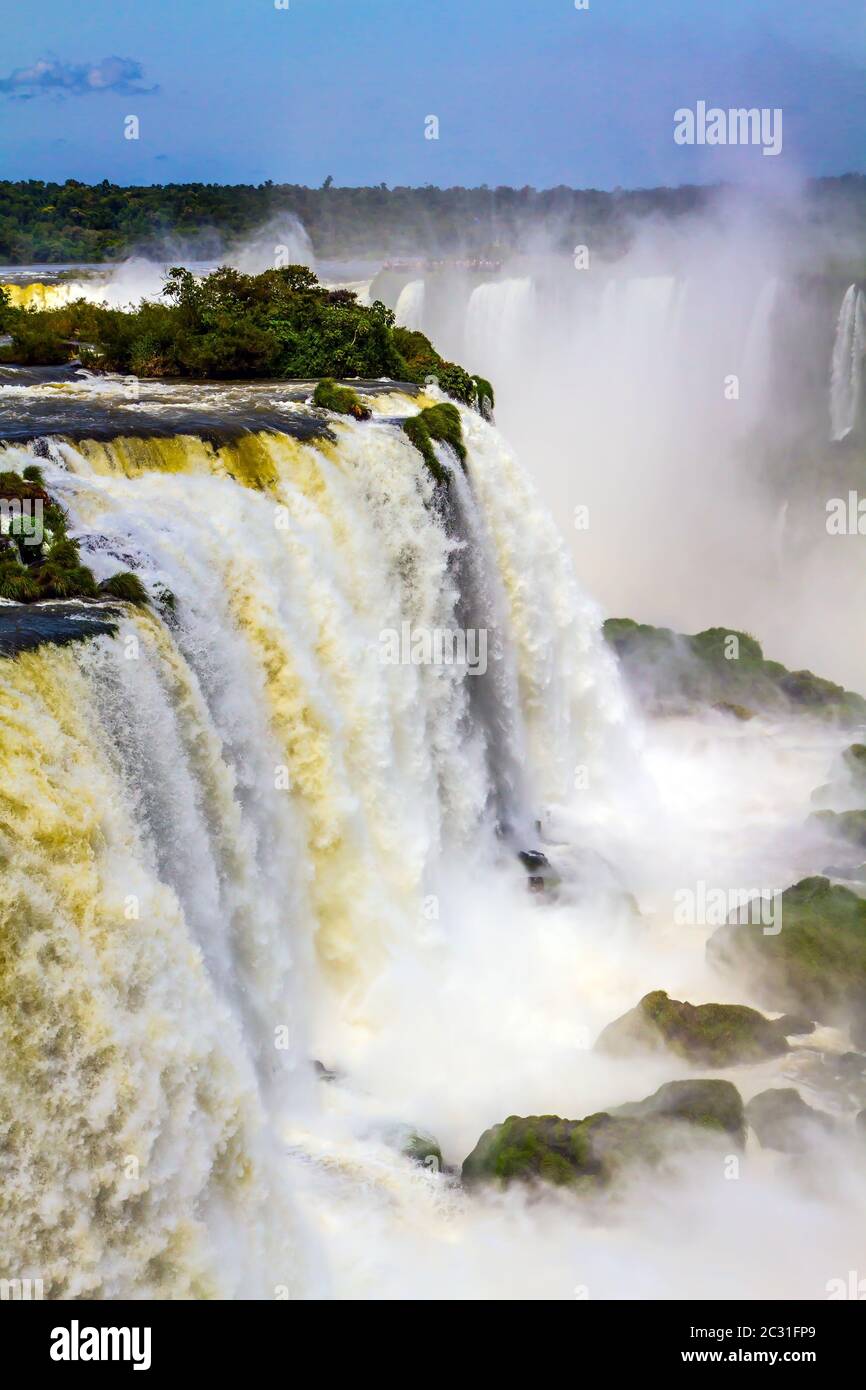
x: 682, y: 394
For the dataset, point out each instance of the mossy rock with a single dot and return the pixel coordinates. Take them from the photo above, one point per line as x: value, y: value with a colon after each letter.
x: 848, y: 825
x: 723, y: 668
x: 591, y: 1153
x: 736, y: 711
x: 710, y: 1035
x: 816, y: 963
x: 340, y: 399
x: 437, y: 422
x: 782, y: 1120
x: 709, y: 1105
x: 125, y: 586
x: 423, y: 1149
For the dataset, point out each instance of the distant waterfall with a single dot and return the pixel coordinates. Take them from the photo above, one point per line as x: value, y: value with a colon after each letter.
x: 409, y: 310
x: 498, y: 316
x: 848, y: 365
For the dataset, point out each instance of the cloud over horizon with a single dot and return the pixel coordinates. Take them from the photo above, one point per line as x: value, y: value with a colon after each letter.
x: 52, y: 77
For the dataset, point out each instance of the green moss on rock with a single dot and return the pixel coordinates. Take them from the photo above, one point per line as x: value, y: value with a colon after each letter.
x: 713, y: 1035
x: 816, y: 963
x: 591, y: 1153
x: 127, y: 587
x: 340, y: 399
x: 722, y: 668
x: 438, y: 422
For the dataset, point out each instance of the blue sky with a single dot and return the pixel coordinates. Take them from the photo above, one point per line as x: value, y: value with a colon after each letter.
x: 526, y: 91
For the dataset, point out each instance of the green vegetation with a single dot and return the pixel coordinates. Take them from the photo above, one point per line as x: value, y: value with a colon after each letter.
x: 441, y: 422
x: 709, y: 1035
x: 280, y: 324
x: 722, y: 668
x: 341, y: 399
x: 816, y: 963
x: 36, y: 566
x: 591, y: 1153
x: 422, y: 364
x: 125, y: 586
x: 74, y: 221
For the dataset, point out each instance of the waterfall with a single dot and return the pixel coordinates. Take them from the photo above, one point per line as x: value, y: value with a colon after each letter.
x: 409, y: 310
x: 848, y: 364
x: 220, y: 825
x: 498, y: 314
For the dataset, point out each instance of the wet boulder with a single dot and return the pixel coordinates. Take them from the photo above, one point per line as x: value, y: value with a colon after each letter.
x: 591, y: 1153
x: 782, y: 1120
x: 812, y: 962
x: 709, y: 1035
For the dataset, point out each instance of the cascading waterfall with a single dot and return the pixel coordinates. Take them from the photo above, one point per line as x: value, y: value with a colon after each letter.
x: 409, y: 310
x: 496, y: 315
x: 217, y: 828
x: 848, y: 365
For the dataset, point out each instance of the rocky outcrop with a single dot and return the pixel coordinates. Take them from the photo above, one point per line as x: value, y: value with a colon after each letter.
x: 724, y: 669
x: 815, y: 964
x: 708, y: 1035
x: 782, y: 1120
x: 591, y: 1153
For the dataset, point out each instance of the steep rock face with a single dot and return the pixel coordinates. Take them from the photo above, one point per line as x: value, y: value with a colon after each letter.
x: 591, y: 1153
x: 712, y: 1035
x: 815, y: 964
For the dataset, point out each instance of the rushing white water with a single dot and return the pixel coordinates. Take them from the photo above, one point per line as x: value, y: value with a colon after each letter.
x: 237, y: 839
x: 409, y: 310
x: 221, y: 830
x: 849, y: 364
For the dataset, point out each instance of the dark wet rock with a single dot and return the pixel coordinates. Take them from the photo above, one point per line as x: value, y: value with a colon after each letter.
x: 782, y: 1120
x: 815, y: 964
x: 533, y: 860
x: 709, y: 1035
x: 591, y: 1153
x: 794, y: 1026
x: 25, y: 626
x: 324, y: 1073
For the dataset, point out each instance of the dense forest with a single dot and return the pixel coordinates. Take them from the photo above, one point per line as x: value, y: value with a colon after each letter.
x: 72, y: 221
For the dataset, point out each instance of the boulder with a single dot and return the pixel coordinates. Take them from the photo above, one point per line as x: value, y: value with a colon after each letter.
x: 815, y: 964
x: 709, y: 1035
x: 589, y: 1154
x: 782, y: 1120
